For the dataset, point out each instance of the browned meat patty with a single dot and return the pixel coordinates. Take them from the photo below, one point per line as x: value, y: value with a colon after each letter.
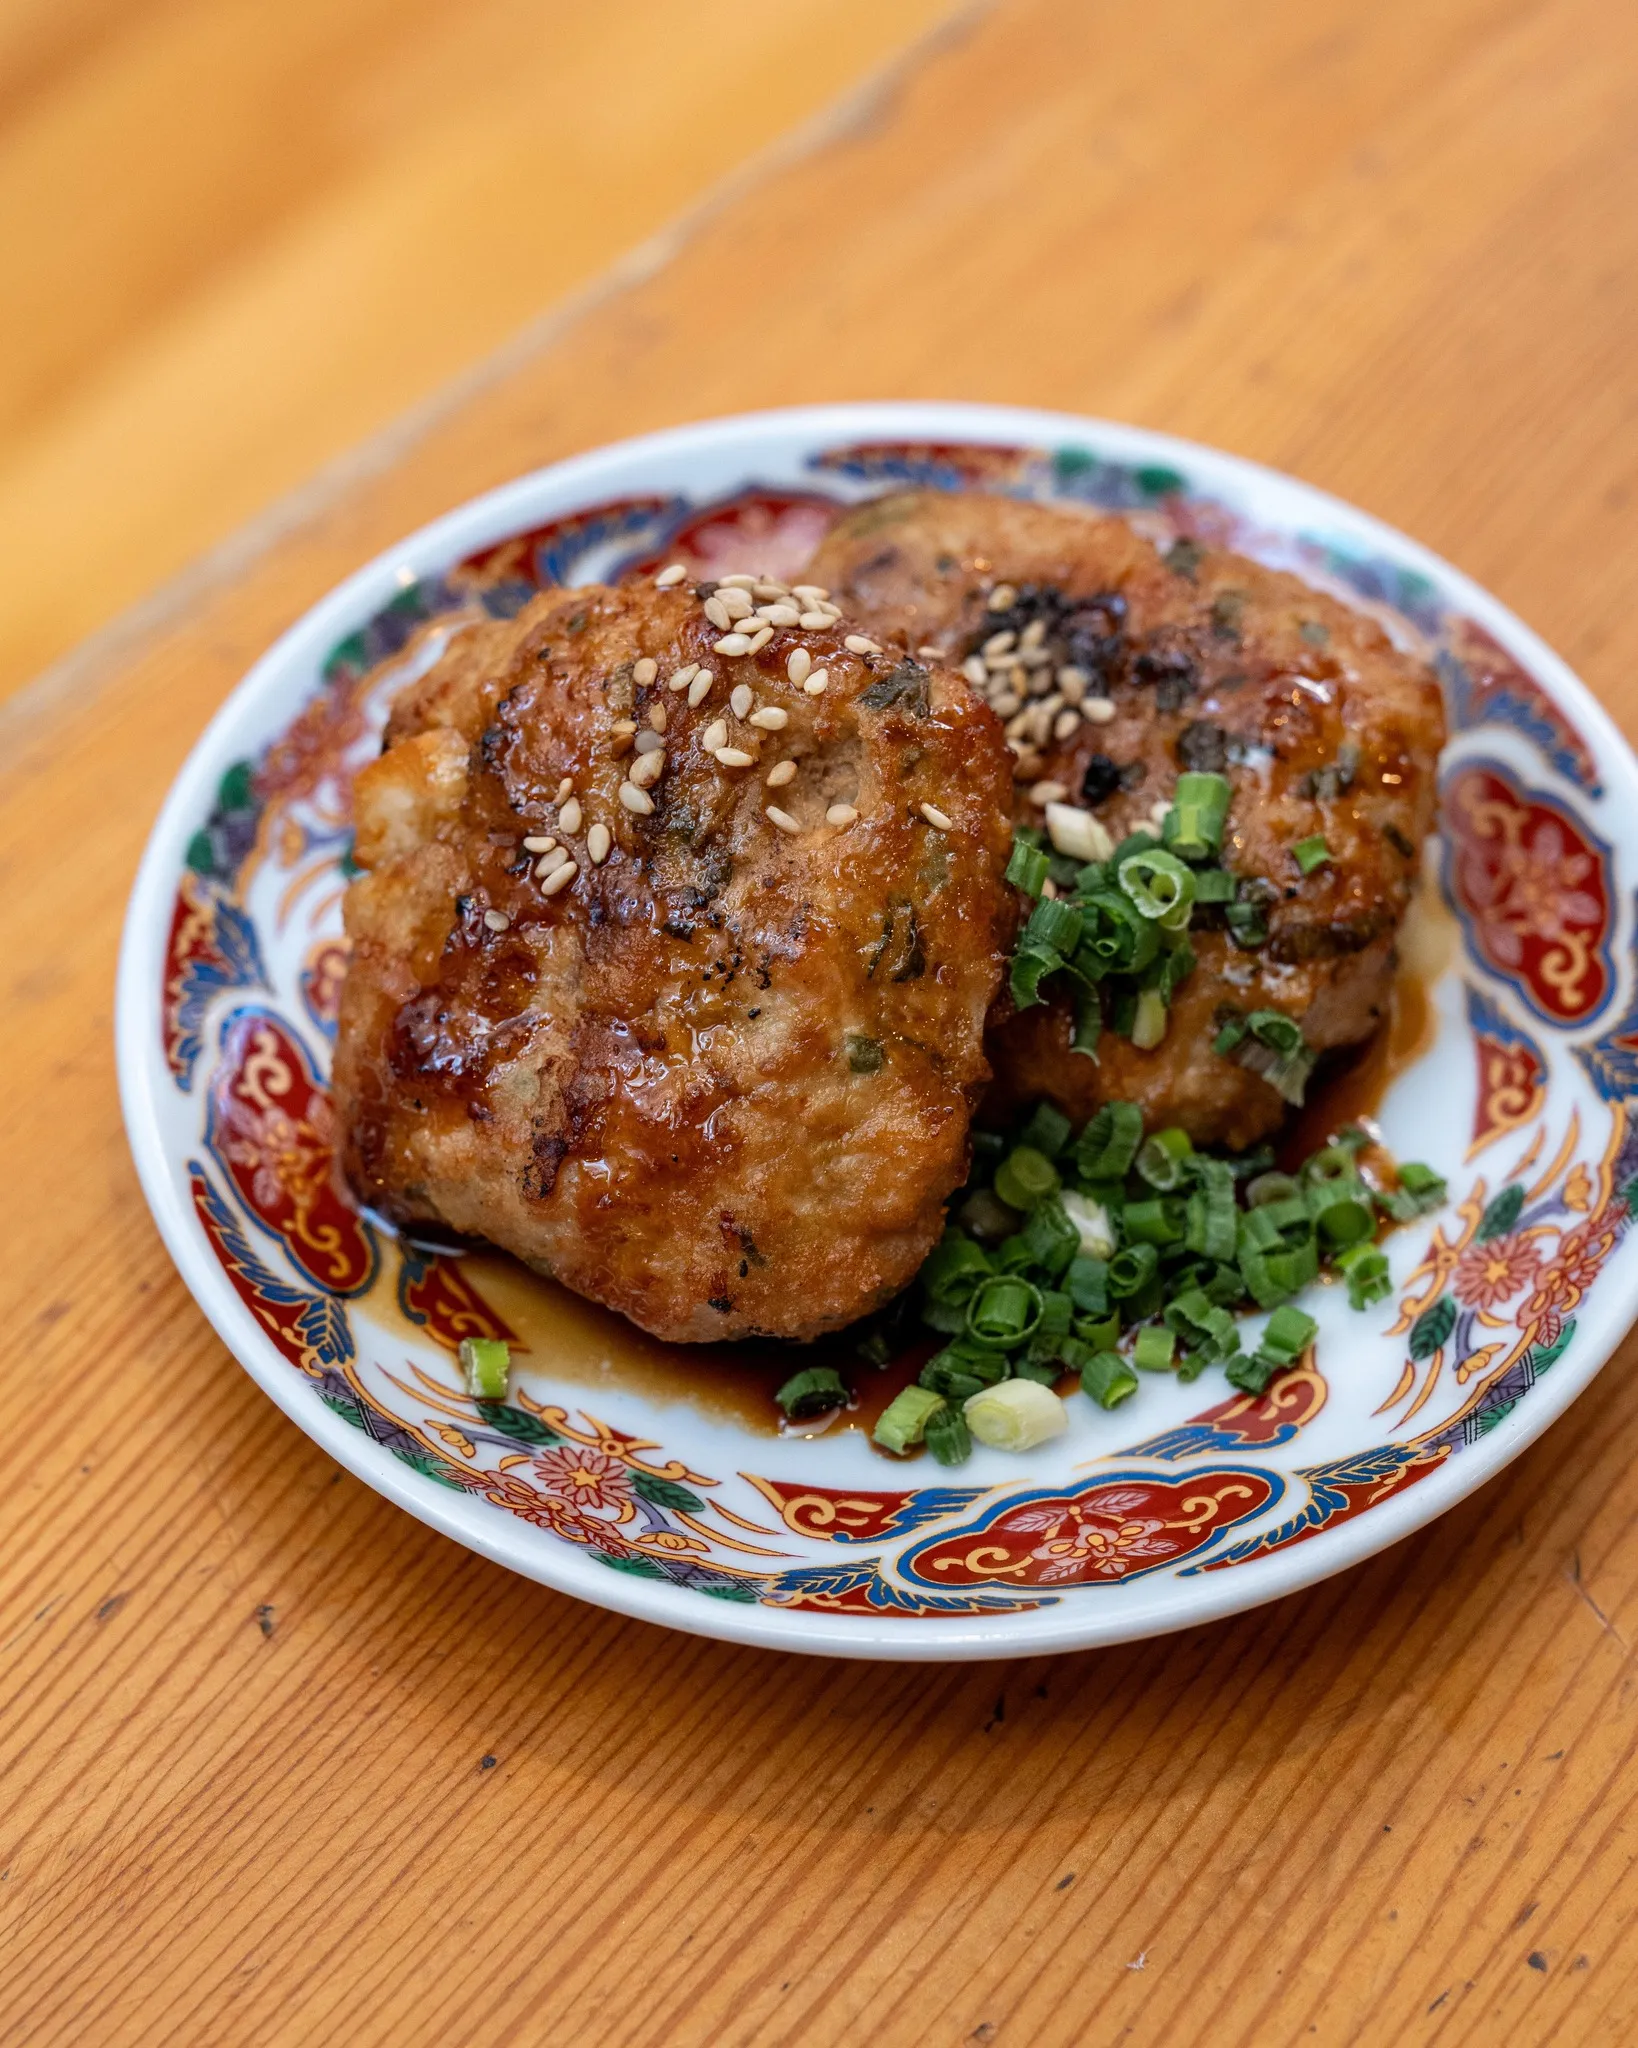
x: 1115, y: 667
x: 697, y: 1032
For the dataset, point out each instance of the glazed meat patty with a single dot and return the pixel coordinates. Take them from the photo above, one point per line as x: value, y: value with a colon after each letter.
x: 672, y: 954
x: 1115, y: 667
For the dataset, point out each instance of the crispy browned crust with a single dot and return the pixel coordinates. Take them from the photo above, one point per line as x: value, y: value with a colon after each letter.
x: 1197, y: 650
x: 723, y: 1082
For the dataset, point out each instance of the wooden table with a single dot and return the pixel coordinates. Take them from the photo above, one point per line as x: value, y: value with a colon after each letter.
x: 280, y: 1765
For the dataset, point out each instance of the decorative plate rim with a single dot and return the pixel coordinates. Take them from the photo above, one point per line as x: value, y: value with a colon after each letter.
x: 1127, y: 1614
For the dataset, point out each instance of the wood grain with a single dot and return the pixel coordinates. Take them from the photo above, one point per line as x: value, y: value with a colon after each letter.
x: 246, y: 1707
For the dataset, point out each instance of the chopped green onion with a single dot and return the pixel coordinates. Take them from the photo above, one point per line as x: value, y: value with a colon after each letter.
x: 1025, y: 1177
x: 1054, y: 926
x: 954, y: 1268
x: 1289, y: 1334
x: 1016, y: 1416
x: 1367, y: 1274
x: 1213, y: 885
x: 1194, y: 824
x: 486, y: 1364
x: 961, y: 1369
x: 1156, y: 1221
x: 1419, y: 1192
x: 1131, y: 1270
x: 1092, y: 1223
x: 1250, y: 1372
x: 1275, y: 1029
x: 948, y: 1437
x: 1271, y: 1187
x: 1163, y: 1159
x: 1247, y: 923
x: 814, y: 1391
x: 1210, y: 1225
x: 1026, y: 867
x: 1311, y: 853
x: 1051, y: 1237
x: 1107, y: 1379
x: 1047, y: 1131
x: 1210, y: 1330
x: 1030, y: 967
x: 1087, y: 1283
x: 1342, y: 1211
x: 1155, y: 1348
x: 1005, y: 1312
x: 1149, y: 1021
x: 985, y: 1216
x: 904, y: 1420
x: 1106, y: 1148
x: 1099, y: 1333
x: 1158, y: 885
x: 1088, y: 1023
x: 1115, y: 937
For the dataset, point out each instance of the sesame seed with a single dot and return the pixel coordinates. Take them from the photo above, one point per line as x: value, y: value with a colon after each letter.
x: 1072, y: 684
x: 647, y: 769
x: 598, y: 841
x: 1065, y: 722
x: 561, y: 880
x: 715, y: 735
x: 929, y: 654
x: 718, y: 613
x: 1016, y: 726
x: 815, y: 684
x: 569, y: 816
x: 1037, y: 682
x: 636, y: 799
x: 550, y: 862
x: 1002, y: 598
x: 779, y: 614
x: 564, y: 788
x: 657, y: 717
x: 1044, y: 793
x: 700, y: 688
x: 1098, y: 710
x: 998, y: 643
x: 1072, y: 672
x: 684, y: 676
x: 771, y: 718
x: 1004, y: 704
x: 644, y: 671
x: 781, y: 773
x: 759, y: 640
x: 935, y: 817
x: 735, y: 757
x: 840, y: 814
x: 738, y: 581
x: 798, y: 664
x: 859, y: 643
x: 782, y: 819
x: 740, y: 700
x: 536, y: 844
x: 649, y: 742
x: 497, y: 920
x: 622, y: 729
x: 810, y: 593
x: 1035, y: 657
x: 732, y: 643
x: 1033, y: 634
x: 735, y: 603
x: 814, y: 622
x: 770, y: 586
x: 667, y: 577
x: 974, y: 670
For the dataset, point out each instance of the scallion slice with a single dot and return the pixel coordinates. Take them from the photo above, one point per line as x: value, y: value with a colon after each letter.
x: 1108, y: 1145
x: 814, y: 1391
x: 1107, y: 1379
x: 1155, y: 1348
x: 1311, y: 853
x: 486, y: 1365
x: 1157, y: 884
x: 1026, y: 867
x: 1194, y: 824
x: 903, y: 1422
x: 1025, y: 1177
x: 1005, y: 1312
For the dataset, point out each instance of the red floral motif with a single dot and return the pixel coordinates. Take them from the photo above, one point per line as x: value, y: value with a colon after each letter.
x: 1105, y: 1531
x: 1535, y: 890
x: 1488, y: 1274
x: 1572, y: 1270
x: 273, y: 1129
x: 584, y: 1477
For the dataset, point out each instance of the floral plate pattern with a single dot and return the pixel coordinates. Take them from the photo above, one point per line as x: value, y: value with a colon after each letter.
x: 1157, y: 1516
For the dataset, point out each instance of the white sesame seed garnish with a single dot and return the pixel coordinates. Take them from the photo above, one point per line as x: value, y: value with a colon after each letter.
x: 936, y: 818
x: 799, y: 664
x: 636, y: 799
x: 736, y: 603
x: 1077, y: 834
x: 759, y: 640
x: 561, y: 879
x: 814, y: 622
x: 684, y: 676
x: 740, y: 700
x: 732, y: 643
x: 771, y: 718
x: 738, y: 581
x: 782, y: 819
x: 647, y: 769
x: 1004, y: 704
x: 1016, y: 726
x: 669, y: 576
x: 700, y: 688
x: 1098, y: 710
x: 569, y: 817
x: 623, y: 728
x: 1044, y: 793
x: 658, y: 717
x: 929, y: 654
x: 564, y: 789
x: 779, y: 614
x: 598, y: 841
x: 810, y: 593
x: 998, y: 644
x: 549, y: 863
x: 1033, y: 634
x: 497, y: 920
x: 644, y: 670
x: 718, y: 613
x: 715, y: 735
x: 974, y: 670
x: 840, y: 814
x: 1072, y: 685
x: 770, y: 586
x: 1002, y: 598
x: 860, y: 643
x: 649, y: 742
x: 535, y: 843
x: 817, y: 683
x: 735, y: 757
x: 781, y: 773
x: 1066, y: 722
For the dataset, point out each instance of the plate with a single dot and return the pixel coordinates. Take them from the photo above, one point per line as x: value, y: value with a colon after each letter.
x: 606, y: 1474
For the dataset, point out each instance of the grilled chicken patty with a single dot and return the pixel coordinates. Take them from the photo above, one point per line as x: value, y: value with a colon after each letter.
x: 1115, y: 667
x: 696, y: 1033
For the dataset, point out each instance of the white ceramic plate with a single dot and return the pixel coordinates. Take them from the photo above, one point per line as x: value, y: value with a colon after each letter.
x: 600, y: 1477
